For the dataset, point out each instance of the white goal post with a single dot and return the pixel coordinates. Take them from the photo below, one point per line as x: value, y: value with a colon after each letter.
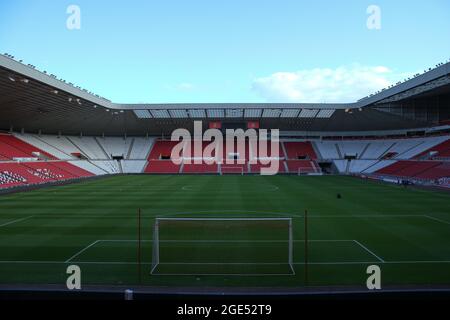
x: 222, y: 246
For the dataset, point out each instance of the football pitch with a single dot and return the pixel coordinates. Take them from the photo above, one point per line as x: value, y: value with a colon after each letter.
x: 226, y: 231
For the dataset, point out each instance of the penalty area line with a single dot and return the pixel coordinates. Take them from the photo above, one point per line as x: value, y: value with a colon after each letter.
x: 15, y: 221
x: 82, y: 250
x: 368, y: 250
x: 437, y: 219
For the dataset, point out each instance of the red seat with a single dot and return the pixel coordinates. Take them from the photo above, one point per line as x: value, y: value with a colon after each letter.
x: 300, y: 150
x: 162, y: 166
x: 11, y: 147
x: 256, y: 168
x: 162, y: 149
x: 200, y: 168
x: 417, y: 169
x: 302, y: 166
x: 441, y: 170
x: 71, y: 169
x: 41, y: 172
x: 442, y: 150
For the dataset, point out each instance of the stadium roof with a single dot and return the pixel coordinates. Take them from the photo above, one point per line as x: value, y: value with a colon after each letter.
x: 33, y: 101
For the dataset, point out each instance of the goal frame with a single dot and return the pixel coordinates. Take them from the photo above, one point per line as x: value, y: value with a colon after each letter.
x: 304, y: 171
x: 235, y: 173
x: 156, y: 242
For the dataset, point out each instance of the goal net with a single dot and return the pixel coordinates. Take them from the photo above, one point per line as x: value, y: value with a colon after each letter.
x: 219, y: 246
x: 307, y: 171
x: 232, y: 170
x: 304, y: 170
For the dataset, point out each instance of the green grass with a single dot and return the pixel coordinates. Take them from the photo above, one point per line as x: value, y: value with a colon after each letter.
x: 404, y: 231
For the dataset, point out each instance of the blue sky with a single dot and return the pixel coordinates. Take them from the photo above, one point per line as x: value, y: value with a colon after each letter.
x: 202, y: 51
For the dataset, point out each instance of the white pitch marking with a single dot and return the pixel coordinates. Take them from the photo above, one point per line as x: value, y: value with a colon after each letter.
x: 369, y: 251
x: 437, y: 219
x: 226, y: 241
x: 14, y: 221
x: 226, y: 274
x: 189, y: 188
x: 82, y: 250
x: 295, y: 263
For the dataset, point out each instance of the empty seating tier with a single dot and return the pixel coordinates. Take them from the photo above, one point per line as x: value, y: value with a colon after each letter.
x: 426, y: 170
x: 23, y: 173
x: 12, y: 148
x: 200, y: 168
x: 302, y: 166
x: 162, y: 166
x: 300, y: 150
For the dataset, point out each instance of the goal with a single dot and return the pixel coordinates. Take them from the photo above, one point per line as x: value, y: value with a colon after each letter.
x: 232, y: 170
x: 301, y: 171
x: 222, y: 246
x: 304, y: 171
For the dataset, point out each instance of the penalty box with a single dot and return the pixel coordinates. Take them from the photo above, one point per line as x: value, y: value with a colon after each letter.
x: 240, y: 257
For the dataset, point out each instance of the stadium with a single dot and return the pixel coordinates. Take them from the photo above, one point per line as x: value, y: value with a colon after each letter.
x: 96, y: 185
x: 98, y: 169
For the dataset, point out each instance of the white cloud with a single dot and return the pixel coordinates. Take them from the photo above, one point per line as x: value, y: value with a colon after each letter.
x: 343, y: 84
x: 185, y: 86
